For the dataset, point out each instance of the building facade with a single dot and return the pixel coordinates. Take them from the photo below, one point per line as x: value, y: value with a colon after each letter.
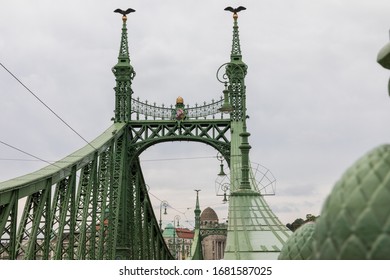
x: 214, y: 235
x: 179, y: 241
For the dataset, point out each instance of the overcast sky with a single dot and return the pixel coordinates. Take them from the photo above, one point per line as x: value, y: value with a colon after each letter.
x: 317, y: 99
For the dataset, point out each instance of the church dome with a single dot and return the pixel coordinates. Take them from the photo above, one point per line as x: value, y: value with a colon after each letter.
x: 168, y: 231
x: 209, y: 214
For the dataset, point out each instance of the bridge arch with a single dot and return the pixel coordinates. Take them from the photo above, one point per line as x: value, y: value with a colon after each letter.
x: 220, y: 147
x: 214, y: 133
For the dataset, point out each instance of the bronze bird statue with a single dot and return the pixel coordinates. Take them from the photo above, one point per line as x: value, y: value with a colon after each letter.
x: 236, y: 10
x: 124, y: 13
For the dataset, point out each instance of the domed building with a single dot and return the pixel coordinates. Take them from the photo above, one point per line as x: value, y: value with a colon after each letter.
x: 178, y: 240
x: 214, y: 235
x: 208, y: 218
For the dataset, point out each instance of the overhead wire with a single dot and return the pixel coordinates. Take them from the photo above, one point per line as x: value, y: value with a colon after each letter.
x: 183, y: 213
x: 157, y: 159
x: 47, y: 106
x: 169, y: 205
x: 19, y: 159
x: 79, y: 135
x: 182, y: 158
x: 26, y: 153
x: 43, y: 160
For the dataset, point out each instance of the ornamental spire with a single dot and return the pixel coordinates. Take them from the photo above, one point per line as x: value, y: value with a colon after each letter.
x: 197, y: 210
x: 236, y: 71
x: 236, y: 49
x: 124, y: 48
x: 124, y: 74
x: 196, y: 248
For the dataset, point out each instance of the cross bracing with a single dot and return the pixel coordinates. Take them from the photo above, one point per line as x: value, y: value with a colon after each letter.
x: 211, y: 132
x: 72, y: 209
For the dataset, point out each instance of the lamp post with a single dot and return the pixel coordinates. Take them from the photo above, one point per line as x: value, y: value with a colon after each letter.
x: 225, y: 188
x: 177, y: 217
x: 220, y: 158
x: 164, y: 204
x: 226, y: 108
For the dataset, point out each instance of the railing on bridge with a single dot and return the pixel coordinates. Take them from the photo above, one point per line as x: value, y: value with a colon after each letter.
x: 162, y: 112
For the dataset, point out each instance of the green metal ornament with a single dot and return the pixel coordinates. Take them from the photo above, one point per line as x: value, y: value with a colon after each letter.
x: 299, y: 246
x: 355, y: 219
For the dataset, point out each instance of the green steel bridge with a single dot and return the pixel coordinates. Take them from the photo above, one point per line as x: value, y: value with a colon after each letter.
x: 94, y: 203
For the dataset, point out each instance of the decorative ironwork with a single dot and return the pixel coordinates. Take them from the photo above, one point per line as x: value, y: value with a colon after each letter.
x: 205, y: 111
x: 220, y: 230
x: 261, y: 177
x: 212, y: 132
x: 124, y: 74
x: 234, y: 93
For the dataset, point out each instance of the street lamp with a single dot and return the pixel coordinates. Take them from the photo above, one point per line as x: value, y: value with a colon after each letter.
x: 225, y: 188
x: 226, y: 107
x: 220, y: 158
x: 177, y: 217
x: 164, y: 204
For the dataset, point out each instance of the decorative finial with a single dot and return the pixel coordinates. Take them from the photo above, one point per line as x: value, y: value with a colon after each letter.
x: 197, y: 209
x: 235, y: 10
x: 179, y: 100
x: 124, y: 13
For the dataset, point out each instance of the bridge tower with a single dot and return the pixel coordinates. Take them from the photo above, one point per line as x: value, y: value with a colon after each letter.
x: 254, y: 231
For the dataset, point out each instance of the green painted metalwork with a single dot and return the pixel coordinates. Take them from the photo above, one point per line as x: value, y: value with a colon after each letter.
x: 300, y: 244
x: 124, y: 74
x: 211, y: 132
x: 383, y: 58
x: 211, y: 110
x: 196, y: 249
x: 8, y: 221
x: 74, y: 208
x: 355, y: 219
x: 94, y: 204
x: 254, y: 231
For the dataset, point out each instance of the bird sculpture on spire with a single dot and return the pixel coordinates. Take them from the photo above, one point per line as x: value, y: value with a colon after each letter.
x: 124, y: 13
x: 235, y: 10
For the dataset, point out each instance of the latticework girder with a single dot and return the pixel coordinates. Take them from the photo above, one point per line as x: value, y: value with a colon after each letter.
x: 215, y: 133
x: 92, y: 204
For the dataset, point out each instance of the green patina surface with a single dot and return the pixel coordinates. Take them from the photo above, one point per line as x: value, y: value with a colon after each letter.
x: 300, y: 245
x: 60, y: 169
x: 355, y: 220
